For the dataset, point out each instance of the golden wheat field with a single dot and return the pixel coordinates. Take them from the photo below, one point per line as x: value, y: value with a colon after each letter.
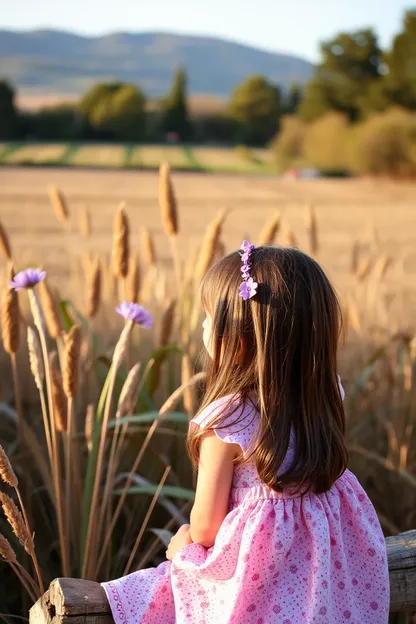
x: 107, y: 236
x: 378, y: 214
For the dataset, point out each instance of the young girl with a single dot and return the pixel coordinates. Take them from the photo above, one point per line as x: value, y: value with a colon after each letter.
x: 280, y: 531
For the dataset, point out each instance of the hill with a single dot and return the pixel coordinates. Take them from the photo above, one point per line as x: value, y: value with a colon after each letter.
x: 61, y: 62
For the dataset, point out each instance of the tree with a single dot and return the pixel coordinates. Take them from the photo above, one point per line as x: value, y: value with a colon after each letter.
x: 351, y: 64
x: 256, y: 105
x: 293, y: 99
x: 400, y: 77
x: 175, y: 107
x: 114, y: 111
x: 8, y: 113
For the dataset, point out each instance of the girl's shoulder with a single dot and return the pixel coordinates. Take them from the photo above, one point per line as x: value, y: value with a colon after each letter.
x: 233, y: 421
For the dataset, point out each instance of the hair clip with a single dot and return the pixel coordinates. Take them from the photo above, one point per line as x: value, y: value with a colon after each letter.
x: 248, y: 288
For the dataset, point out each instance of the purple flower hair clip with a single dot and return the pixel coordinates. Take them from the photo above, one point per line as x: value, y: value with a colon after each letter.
x: 248, y: 288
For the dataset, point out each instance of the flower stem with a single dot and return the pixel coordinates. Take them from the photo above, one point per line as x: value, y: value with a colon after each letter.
x: 56, y: 472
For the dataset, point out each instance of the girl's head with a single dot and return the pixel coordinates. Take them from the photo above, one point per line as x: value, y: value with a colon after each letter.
x: 279, y: 347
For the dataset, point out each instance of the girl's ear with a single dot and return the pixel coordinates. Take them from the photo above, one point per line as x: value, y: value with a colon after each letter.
x: 241, y: 351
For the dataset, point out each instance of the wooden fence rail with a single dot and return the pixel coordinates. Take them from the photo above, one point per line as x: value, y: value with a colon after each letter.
x: 75, y: 601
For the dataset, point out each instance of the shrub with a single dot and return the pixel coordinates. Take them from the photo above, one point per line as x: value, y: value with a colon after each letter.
x: 325, y: 144
x: 287, y: 146
x: 386, y: 144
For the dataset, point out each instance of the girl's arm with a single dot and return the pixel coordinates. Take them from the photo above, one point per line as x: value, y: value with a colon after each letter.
x: 215, y: 472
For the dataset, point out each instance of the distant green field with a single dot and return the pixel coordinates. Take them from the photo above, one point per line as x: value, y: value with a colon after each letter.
x: 110, y: 155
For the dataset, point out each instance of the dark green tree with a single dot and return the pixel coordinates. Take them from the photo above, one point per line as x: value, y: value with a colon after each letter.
x: 400, y: 77
x: 293, y: 99
x: 256, y: 105
x: 175, y: 107
x: 351, y: 64
x: 8, y: 113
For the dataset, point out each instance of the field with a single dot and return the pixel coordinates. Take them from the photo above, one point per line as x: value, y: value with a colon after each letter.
x: 379, y: 214
x: 116, y: 156
x: 366, y: 233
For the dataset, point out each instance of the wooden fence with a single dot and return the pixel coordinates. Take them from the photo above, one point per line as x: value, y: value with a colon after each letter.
x: 75, y: 601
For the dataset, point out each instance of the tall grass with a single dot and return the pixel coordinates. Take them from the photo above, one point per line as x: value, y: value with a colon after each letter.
x: 104, y: 441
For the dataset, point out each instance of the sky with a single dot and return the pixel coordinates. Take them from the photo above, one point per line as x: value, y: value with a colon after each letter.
x: 293, y: 26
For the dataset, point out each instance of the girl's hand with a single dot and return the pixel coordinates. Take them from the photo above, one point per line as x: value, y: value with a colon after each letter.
x: 181, y: 539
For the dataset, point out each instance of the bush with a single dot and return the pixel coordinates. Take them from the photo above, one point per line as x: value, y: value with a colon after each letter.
x: 216, y: 128
x: 386, y: 144
x: 58, y: 123
x: 287, y: 146
x: 326, y: 143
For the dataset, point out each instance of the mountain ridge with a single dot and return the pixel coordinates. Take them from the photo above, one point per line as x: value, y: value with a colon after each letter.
x: 49, y: 60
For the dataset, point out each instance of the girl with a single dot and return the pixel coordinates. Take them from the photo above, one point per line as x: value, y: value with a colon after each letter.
x: 280, y: 531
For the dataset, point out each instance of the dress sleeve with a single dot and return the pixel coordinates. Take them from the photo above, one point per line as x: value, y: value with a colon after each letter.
x: 238, y: 424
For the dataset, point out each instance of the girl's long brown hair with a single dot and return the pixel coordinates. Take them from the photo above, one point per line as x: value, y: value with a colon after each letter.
x: 290, y: 332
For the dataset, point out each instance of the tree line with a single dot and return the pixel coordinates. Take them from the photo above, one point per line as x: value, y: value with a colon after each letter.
x: 355, y: 79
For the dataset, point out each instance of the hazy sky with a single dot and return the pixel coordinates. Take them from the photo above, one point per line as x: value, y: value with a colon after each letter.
x: 294, y: 26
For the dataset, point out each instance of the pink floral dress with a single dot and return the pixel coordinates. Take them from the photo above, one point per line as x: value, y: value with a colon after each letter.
x: 277, y: 558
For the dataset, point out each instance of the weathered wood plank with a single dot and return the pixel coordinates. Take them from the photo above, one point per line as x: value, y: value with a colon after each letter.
x: 401, y: 553
x: 75, y: 601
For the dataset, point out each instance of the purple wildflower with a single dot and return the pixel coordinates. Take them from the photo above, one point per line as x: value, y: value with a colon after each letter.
x: 248, y: 289
x: 27, y: 279
x: 135, y: 313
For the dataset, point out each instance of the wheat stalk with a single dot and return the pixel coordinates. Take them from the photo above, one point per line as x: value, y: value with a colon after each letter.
x: 133, y: 281
x: 58, y: 394
x: 15, y: 519
x: 38, y: 371
x: 118, y: 356
x: 170, y: 403
x: 10, y: 320
x: 35, y: 357
x: 85, y: 223
x: 6, y: 551
x: 209, y: 245
x: 353, y: 316
x: 126, y: 400
x: 312, y: 230
x: 21, y: 529
x: 382, y: 266
x: 94, y: 278
x: 50, y: 311
x: 89, y: 425
x: 289, y: 239
x: 270, y: 230
x: 128, y: 391
x: 121, y: 247
x: 7, y: 554
x: 5, y: 247
x: 59, y: 204
x: 363, y: 269
x: 167, y: 201
x: 7, y: 473
x: 71, y: 361
x: 148, y: 247
x: 166, y: 323
x: 189, y: 395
